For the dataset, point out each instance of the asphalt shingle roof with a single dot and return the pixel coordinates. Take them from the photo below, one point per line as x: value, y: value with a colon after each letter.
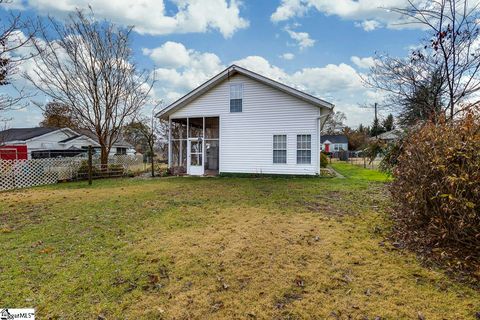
x: 334, y: 138
x: 23, y: 134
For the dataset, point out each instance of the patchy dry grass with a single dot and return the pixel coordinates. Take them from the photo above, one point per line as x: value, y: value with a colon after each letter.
x: 197, y: 248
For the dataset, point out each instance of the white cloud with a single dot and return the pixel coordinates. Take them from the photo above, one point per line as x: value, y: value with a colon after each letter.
x: 289, y: 9
x: 302, y: 39
x: 180, y: 70
x: 363, y: 63
x: 369, y: 25
x: 369, y: 14
x: 262, y: 66
x: 150, y: 16
x: 340, y: 84
x: 170, y: 54
x: 287, y: 56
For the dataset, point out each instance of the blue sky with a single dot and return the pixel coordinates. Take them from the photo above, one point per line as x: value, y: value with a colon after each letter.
x: 320, y: 46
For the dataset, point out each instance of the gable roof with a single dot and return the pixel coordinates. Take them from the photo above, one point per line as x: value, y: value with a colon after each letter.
x: 23, y: 134
x: 119, y: 143
x: 334, y: 138
x: 229, y: 72
x: 69, y: 139
x: 390, y: 135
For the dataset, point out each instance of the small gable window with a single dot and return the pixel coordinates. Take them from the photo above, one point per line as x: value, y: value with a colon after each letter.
x: 236, y: 96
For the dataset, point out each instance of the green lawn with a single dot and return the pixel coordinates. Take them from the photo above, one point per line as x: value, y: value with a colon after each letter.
x: 358, y: 173
x: 198, y: 248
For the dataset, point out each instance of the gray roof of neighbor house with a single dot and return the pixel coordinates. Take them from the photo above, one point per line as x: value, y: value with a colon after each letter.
x: 70, y: 139
x: 23, y: 134
x: 390, y: 135
x: 230, y: 71
x: 119, y: 143
x: 334, y: 138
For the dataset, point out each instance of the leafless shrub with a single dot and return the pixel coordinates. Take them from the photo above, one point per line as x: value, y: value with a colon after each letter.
x: 437, y: 190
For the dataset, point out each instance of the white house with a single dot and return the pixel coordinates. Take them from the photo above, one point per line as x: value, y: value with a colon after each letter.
x: 40, y: 142
x: 242, y: 122
x: 334, y: 142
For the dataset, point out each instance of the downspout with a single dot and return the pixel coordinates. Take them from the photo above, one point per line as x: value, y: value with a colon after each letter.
x: 319, y: 129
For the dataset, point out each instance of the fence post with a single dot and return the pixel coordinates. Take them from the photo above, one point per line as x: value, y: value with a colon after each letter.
x: 90, y: 165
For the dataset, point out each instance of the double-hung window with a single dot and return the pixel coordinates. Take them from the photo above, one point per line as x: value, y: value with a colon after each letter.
x: 304, y: 149
x: 236, y: 97
x: 280, y: 148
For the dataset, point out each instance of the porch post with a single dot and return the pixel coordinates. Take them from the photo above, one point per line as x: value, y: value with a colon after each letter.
x: 319, y: 149
x: 169, y: 142
x: 318, y: 142
x: 203, y: 146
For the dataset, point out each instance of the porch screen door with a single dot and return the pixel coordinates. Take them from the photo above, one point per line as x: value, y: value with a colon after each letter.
x: 195, y: 157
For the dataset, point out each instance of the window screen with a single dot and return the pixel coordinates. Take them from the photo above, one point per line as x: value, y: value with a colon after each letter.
x: 304, y: 149
x: 236, y: 96
x: 280, y: 149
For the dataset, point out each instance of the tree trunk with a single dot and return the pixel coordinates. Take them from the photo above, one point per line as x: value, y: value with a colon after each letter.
x: 153, y: 166
x: 151, y: 159
x: 104, y: 157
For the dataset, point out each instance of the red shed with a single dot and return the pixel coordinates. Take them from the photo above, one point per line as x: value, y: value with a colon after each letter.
x: 13, y: 152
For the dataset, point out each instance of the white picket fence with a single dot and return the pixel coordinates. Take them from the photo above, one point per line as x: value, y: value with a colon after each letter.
x: 17, y: 174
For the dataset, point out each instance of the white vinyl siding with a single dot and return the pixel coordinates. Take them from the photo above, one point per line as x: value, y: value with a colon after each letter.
x: 304, y: 149
x: 246, y: 137
x: 280, y: 148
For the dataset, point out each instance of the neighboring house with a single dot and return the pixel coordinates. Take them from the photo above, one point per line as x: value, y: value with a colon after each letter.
x: 119, y: 147
x: 334, y: 143
x: 39, y: 142
x: 242, y: 122
x: 389, y: 136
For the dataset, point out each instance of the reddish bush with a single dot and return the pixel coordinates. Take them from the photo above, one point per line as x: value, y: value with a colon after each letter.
x: 437, y: 190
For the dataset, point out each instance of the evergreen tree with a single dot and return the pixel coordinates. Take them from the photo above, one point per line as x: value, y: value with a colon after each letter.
x: 377, y: 128
x: 389, y: 123
x: 425, y: 103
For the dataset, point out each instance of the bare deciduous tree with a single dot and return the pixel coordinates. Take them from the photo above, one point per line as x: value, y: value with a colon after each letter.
x: 151, y: 133
x: 401, y: 79
x: 454, y: 29
x: 88, y: 65
x: 445, y: 68
x: 15, y: 34
x: 334, y: 123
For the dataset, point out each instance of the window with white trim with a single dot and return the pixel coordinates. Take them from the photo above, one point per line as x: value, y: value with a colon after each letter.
x: 337, y: 147
x: 236, y: 97
x: 280, y: 148
x: 304, y: 149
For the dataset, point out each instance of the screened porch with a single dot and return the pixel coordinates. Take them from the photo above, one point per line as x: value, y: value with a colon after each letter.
x: 194, y: 145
